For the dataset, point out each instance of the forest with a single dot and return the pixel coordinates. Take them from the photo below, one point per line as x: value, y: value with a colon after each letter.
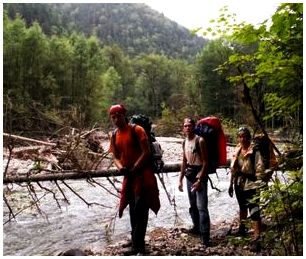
x: 54, y: 79
x: 65, y: 64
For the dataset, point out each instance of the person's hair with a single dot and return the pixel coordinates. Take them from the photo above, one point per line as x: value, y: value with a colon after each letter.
x: 245, y: 131
x: 190, y: 120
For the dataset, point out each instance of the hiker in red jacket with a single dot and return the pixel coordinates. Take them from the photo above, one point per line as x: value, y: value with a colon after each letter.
x: 139, y: 187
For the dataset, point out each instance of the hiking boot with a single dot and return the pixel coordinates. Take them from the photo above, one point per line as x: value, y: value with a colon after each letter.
x: 255, y: 246
x: 140, y: 251
x: 128, y: 243
x: 193, y: 231
x: 241, y: 231
x: 205, y: 241
x: 135, y: 251
x: 129, y: 252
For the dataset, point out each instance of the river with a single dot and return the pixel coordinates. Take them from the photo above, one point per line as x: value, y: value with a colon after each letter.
x: 75, y: 225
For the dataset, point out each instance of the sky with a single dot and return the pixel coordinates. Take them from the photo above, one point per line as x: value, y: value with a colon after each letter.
x: 195, y: 13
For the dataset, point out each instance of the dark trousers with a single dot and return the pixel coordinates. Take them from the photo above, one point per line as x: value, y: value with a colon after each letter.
x: 139, y: 215
x: 244, y: 198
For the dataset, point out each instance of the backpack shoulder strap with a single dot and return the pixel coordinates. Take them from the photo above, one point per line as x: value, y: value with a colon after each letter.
x: 113, y: 140
x: 197, y: 144
x: 134, y: 134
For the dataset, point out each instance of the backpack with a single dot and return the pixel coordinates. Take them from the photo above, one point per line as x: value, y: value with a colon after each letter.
x: 210, y: 129
x: 263, y: 144
x: 155, y: 148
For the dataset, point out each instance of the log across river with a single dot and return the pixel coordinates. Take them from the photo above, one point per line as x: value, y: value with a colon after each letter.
x: 51, y: 175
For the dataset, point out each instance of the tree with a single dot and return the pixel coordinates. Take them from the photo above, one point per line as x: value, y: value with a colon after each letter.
x: 216, y: 95
x: 113, y: 56
x: 268, y: 62
x: 282, y: 64
x: 153, y: 85
x: 111, y: 87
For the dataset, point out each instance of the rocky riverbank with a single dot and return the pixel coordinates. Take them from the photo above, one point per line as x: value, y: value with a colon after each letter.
x: 178, y: 242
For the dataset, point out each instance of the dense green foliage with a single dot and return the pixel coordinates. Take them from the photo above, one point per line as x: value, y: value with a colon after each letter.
x: 268, y: 62
x: 283, y: 205
x: 135, y: 28
x: 214, y: 88
x: 62, y: 70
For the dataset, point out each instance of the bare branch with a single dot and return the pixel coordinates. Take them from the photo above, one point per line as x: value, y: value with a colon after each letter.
x: 62, y: 192
x: 53, y: 193
x: 87, y: 203
x: 36, y: 200
x: 10, y: 209
x: 92, y: 181
x: 28, y: 139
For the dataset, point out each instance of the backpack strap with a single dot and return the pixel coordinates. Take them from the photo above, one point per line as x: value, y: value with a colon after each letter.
x: 113, y: 140
x: 137, y: 140
x: 197, y: 145
x: 134, y: 134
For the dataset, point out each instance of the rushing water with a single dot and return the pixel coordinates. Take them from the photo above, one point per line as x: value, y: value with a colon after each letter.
x: 77, y: 225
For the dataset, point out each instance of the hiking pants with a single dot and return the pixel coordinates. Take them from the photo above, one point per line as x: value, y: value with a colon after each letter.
x: 198, y: 210
x: 244, y: 198
x: 139, y: 214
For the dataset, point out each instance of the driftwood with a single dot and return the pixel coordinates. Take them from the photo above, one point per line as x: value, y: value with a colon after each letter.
x: 28, y: 139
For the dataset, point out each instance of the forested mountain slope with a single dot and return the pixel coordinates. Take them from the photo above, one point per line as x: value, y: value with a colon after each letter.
x: 135, y: 27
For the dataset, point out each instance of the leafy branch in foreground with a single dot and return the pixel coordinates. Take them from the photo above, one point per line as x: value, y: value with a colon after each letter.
x: 284, y: 209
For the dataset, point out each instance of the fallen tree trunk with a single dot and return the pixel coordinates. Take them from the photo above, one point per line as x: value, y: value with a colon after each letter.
x: 52, y: 175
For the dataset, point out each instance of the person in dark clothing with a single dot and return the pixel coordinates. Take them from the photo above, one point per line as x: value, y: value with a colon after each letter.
x: 139, y: 187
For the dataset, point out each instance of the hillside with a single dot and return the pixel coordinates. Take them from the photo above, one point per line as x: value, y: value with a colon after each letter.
x: 136, y: 28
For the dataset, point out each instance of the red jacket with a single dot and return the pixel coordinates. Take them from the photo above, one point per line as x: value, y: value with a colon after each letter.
x: 144, y: 184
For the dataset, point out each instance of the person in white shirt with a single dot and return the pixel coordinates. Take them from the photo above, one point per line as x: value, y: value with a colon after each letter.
x: 195, y: 169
